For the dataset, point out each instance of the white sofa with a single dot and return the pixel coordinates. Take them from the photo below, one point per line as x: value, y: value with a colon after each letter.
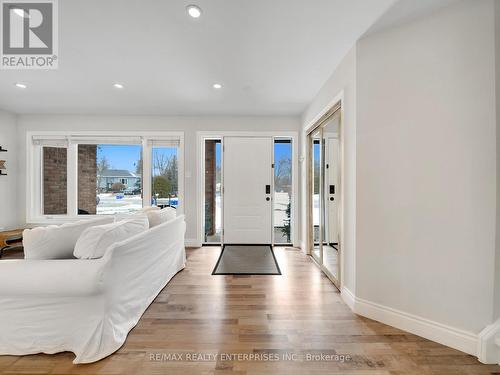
x: 86, y: 306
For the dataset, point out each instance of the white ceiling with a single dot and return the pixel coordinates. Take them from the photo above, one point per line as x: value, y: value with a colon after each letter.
x: 404, y: 11
x: 272, y: 56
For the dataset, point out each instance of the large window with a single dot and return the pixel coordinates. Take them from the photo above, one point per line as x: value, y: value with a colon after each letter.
x: 102, y: 173
x: 109, y: 178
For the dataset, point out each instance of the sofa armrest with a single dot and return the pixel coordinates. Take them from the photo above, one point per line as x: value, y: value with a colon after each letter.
x: 137, y: 256
x: 71, y: 277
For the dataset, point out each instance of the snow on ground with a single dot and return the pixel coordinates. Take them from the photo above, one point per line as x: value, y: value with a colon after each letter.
x: 316, y: 209
x: 110, y: 204
x: 281, y: 201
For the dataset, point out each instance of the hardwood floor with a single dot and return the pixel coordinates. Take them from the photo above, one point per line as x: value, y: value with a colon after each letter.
x: 297, y: 314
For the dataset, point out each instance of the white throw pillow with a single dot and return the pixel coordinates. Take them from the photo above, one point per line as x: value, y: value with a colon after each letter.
x: 95, y: 240
x: 157, y: 217
x: 56, y: 241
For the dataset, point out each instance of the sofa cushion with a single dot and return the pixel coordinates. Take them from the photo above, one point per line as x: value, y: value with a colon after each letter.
x: 94, y: 241
x: 56, y: 241
x: 157, y: 217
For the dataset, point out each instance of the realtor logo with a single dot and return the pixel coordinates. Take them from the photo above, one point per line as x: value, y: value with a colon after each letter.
x: 29, y: 34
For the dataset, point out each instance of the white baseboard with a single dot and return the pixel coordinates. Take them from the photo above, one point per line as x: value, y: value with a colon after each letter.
x: 450, y: 336
x: 488, y: 346
x: 348, y: 297
x: 190, y: 242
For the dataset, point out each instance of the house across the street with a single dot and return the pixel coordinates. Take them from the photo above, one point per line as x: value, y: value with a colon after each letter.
x: 113, y: 176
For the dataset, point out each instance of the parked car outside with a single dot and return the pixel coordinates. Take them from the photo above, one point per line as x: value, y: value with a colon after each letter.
x: 132, y: 190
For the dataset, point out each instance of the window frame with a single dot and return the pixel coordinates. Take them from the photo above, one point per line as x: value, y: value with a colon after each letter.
x: 34, y: 169
x: 290, y: 140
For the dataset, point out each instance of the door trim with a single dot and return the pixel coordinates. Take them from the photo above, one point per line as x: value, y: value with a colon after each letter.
x: 200, y: 180
x: 336, y: 107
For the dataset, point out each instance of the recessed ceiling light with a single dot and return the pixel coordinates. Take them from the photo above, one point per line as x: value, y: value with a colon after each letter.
x: 217, y: 86
x: 21, y: 85
x: 118, y: 86
x: 194, y: 11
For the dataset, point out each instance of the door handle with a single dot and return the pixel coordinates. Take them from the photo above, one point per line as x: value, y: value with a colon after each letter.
x: 268, y: 189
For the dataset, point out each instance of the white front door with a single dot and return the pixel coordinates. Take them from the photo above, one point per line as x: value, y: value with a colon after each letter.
x: 248, y: 177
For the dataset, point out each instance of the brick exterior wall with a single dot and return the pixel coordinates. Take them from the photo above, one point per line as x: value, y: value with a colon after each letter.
x: 55, y: 179
x: 87, y: 178
x: 210, y: 187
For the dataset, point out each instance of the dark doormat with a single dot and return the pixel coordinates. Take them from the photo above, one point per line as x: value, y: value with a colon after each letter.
x: 247, y: 260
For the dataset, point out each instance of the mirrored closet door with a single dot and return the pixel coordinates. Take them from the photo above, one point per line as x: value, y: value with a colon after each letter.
x: 324, y: 191
x: 315, y: 143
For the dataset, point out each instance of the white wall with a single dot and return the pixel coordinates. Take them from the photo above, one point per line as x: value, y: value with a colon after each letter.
x: 420, y: 173
x: 426, y: 167
x: 342, y: 84
x: 190, y: 125
x: 9, y: 199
